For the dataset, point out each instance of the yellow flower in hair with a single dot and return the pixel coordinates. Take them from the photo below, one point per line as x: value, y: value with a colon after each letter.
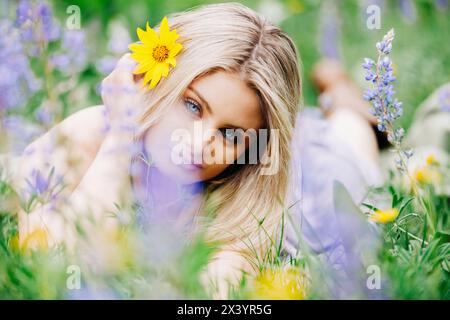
x: 156, y: 53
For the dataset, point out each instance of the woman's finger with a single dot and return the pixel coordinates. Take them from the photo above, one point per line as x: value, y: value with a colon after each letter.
x: 123, y: 72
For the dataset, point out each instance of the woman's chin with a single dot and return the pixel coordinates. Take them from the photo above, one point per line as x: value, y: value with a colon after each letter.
x: 182, y: 173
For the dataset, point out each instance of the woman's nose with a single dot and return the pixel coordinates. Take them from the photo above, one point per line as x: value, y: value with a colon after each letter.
x: 202, y: 140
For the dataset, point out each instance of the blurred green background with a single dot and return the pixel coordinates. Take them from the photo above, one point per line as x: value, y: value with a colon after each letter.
x: 319, y: 28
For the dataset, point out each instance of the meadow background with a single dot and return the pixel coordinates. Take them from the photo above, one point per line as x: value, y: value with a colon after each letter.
x: 59, y: 72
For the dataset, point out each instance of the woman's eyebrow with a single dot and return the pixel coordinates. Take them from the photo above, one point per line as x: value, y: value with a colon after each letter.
x: 209, y: 108
x: 201, y: 98
x: 231, y: 126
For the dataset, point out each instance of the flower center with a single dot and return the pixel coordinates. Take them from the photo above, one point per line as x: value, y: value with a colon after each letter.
x: 160, y: 53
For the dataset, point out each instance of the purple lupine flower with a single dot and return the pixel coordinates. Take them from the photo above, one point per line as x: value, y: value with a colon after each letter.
x: 118, y: 42
x: 72, y: 56
x: 36, y: 25
x: 409, y: 153
x: 106, y: 64
x: 44, y: 188
x: 408, y: 10
x: 37, y: 184
x: 385, y: 45
x: 444, y: 100
x: 24, y: 12
x: 44, y: 114
x: 17, y: 81
x: 368, y: 64
x: 441, y: 4
x: 49, y: 30
x: 119, y: 38
x: 330, y: 32
x: 385, y: 107
x: 21, y: 131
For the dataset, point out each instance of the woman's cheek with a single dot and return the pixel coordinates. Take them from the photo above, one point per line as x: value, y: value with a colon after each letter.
x: 227, y: 154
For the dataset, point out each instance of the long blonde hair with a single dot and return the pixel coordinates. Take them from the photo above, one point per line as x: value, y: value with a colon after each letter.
x: 234, y: 38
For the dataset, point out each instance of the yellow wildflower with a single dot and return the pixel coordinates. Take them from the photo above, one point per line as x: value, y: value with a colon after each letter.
x: 427, y: 175
x: 384, y: 216
x: 36, y: 240
x: 430, y: 160
x: 296, y: 6
x: 279, y: 284
x: 155, y: 52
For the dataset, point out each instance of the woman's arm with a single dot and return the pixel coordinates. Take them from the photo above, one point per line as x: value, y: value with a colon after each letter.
x: 69, y: 149
x: 103, y: 184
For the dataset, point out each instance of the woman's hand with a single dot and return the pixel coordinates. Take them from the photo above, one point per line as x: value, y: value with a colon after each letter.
x: 123, y: 98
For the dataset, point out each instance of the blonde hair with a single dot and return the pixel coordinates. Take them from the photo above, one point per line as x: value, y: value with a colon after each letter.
x: 231, y: 37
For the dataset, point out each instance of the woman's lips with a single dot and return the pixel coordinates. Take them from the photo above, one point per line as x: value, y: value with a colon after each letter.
x: 192, y: 167
x: 193, y: 163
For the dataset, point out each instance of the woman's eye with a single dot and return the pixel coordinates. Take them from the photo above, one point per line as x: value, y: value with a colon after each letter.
x: 231, y: 135
x: 192, y: 107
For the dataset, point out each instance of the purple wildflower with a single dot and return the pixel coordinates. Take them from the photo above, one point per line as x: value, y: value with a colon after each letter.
x: 49, y: 30
x: 37, y: 26
x: 37, y: 184
x: 408, y: 10
x: 45, y: 189
x: 17, y: 81
x: 20, y: 131
x: 385, y: 45
x: 106, y: 64
x: 119, y: 38
x: 442, y: 4
x: 72, y: 57
x: 24, y: 12
x: 118, y: 42
x: 368, y: 64
x: 330, y: 31
x: 444, y: 100
x: 385, y: 107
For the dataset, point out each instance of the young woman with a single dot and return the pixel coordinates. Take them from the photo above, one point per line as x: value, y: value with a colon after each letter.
x: 236, y: 71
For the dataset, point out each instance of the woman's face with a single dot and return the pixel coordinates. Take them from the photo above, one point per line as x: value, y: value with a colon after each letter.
x: 190, y: 142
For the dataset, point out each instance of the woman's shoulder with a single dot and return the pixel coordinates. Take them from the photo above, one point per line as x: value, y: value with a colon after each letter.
x: 87, y: 121
x: 67, y: 146
x: 85, y: 128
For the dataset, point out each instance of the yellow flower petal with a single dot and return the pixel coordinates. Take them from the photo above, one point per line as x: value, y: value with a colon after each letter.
x: 172, y: 61
x: 157, y: 73
x: 280, y: 284
x: 143, y: 36
x: 164, y: 29
x: 430, y: 160
x: 142, y: 58
x: 169, y: 41
x: 144, y: 67
x: 175, y: 50
x: 139, y: 48
x: 152, y: 34
x: 165, y: 69
x: 35, y: 240
x: 427, y: 175
x: 148, y: 77
x: 174, y: 35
